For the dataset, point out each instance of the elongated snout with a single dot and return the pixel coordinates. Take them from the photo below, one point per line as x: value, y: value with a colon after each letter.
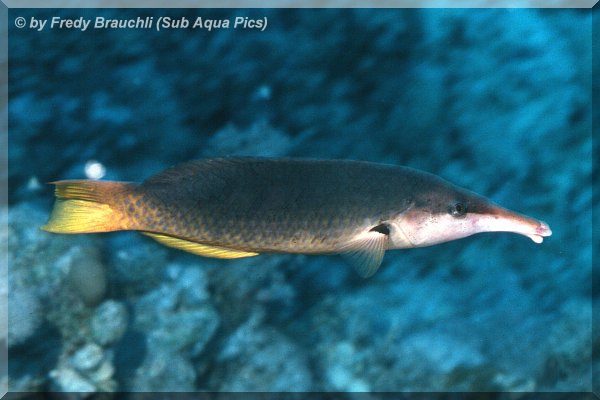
x: 498, y: 219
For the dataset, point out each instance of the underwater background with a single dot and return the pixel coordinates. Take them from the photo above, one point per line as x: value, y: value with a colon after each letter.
x: 497, y: 101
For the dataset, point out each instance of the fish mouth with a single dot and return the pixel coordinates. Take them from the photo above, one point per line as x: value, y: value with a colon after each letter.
x: 499, y: 219
x: 542, y: 231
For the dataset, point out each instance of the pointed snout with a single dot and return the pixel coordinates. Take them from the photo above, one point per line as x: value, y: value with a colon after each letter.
x: 498, y: 219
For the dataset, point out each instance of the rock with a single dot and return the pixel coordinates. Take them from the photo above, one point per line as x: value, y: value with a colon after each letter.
x: 49, y: 263
x: 341, y: 374
x: 87, y: 358
x: 68, y: 380
x: 109, y: 322
x: 422, y: 335
x: 179, y: 320
x: 257, y: 357
x: 444, y: 352
x: 92, y: 365
x: 178, y: 315
x: 87, y: 274
x: 241, y: 285
x: 32, y: 252
x: 47, y: 311
x: 136, y: 263
x: 103, y: 375
x: 164, y: 372
x: 24, y: 314
x: 31, y: 360
x: 568, y: 357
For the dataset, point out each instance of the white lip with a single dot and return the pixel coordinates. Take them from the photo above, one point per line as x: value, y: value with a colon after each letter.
x: 543, y: 230
x: 536, y: 238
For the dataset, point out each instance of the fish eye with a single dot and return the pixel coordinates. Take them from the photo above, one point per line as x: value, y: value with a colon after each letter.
x: 458, y: 209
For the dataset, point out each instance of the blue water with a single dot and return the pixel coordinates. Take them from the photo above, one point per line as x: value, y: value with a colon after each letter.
x: 497, y: 101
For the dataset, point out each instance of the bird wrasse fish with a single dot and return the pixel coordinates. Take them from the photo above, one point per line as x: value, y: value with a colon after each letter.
x: 241, y: 207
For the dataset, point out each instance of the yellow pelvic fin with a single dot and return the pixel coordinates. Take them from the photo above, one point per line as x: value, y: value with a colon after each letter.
x: 80, y: 216
x: 197, y: 248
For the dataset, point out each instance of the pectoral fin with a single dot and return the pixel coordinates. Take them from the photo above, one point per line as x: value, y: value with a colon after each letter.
x: 366, y: 251
x: 197, y: 248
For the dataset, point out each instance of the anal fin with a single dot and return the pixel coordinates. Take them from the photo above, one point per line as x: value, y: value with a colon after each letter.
x: 197, y: 248
x: 366, y: 251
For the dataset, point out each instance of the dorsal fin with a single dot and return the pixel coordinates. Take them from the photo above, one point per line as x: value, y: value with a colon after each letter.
x: 178, y: 172
x: 193, y: 169
x: 197, y: 248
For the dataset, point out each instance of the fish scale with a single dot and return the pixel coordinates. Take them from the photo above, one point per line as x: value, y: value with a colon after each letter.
x: 238, y: 218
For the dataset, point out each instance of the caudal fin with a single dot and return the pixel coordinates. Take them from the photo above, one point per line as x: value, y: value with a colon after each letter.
x: 86, y: 206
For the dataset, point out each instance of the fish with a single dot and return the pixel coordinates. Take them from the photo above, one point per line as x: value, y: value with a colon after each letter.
x: 237, y: 207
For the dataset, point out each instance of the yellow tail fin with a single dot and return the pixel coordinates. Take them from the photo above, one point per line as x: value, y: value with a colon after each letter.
x: 85, y: 206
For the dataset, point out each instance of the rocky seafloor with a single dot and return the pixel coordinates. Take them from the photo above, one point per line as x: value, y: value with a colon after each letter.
x: 497, y: 101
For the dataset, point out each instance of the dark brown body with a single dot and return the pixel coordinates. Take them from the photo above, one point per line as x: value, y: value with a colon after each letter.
x: 240, y: 207
x: 294, y: 206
